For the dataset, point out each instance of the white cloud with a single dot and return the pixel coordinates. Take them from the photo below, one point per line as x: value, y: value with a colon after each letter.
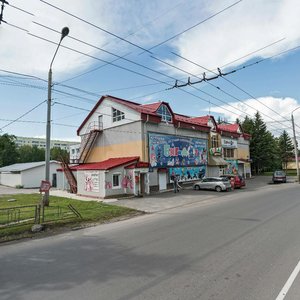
x: 245, y: 27
x: 275, y: 123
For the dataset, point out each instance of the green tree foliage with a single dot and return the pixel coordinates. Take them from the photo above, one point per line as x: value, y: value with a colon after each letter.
x: 286, y: 148
x: 263, y: 147
x: 59, y: 154
x: 30, y: 154
x: 8, y: 150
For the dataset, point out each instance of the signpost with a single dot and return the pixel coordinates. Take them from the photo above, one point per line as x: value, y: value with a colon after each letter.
x: 44, y: 188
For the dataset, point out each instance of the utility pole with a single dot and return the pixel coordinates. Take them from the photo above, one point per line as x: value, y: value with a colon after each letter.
x: 295, y: 146
x: 64, y: 33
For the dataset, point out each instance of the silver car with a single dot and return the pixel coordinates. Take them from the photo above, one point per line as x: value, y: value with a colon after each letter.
x: 213, y: 183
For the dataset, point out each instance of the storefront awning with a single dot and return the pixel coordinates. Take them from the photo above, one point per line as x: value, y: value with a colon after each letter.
x: 217, y: 161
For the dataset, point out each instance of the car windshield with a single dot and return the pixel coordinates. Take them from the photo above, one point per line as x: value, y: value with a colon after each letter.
x: 224, y: 179
x: 279, y: 173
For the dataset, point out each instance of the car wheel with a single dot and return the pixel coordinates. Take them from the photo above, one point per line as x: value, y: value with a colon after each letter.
x: 197, y: 187
x: 218, y: 189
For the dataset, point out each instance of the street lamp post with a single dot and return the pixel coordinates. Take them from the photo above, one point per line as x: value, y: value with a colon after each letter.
x: 295, y: 145
x: 64, y: 33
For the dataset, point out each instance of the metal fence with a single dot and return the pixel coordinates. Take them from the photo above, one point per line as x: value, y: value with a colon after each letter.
x: 35, y: 214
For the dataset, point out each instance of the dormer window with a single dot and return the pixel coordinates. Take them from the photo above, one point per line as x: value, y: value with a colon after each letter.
x: 165, y: 114
x: 117, y: 115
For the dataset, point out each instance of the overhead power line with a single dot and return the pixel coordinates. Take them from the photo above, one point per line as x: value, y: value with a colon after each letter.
x: 230, y: 83
x: 197, y: 24
x: 20, y: 9
x: 95, y: 26
x: 191, y: 84
x: 23, y: 115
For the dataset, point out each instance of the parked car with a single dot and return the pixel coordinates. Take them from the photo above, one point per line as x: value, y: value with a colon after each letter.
x: 213, y: 183
x: 279, y: 176
x: 238, y: 180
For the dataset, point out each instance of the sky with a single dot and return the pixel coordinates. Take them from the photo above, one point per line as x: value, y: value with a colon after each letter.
x: 136, y: 50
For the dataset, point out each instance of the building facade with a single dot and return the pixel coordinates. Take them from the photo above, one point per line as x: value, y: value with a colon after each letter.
x: 41, y: 143
x: 162, y: 142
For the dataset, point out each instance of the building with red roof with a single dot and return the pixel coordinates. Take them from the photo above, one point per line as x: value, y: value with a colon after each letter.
x: 158, y: 141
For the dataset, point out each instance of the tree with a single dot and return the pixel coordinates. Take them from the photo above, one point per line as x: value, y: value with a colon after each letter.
x: 8, y: 150
x: 262, y: 144
x: 30, y: 154
x: 59, y: 154
x: 286, y: 148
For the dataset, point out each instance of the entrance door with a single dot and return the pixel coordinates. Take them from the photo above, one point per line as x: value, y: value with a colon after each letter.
x: 142, y: 182
x: 54, y: 180
x: 162, y: 180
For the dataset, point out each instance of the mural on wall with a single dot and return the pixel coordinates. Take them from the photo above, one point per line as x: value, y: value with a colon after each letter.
x: 127, y: 181
x: 108, y: 185
x: 188, y: 173
x: 91, y: 181
x: 232, y: 167
x: 174, y: 151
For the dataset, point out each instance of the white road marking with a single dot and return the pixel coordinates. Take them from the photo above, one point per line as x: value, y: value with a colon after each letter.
x: 289, y: 283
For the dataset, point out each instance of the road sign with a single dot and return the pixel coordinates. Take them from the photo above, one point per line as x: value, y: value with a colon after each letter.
x: 45, y: 186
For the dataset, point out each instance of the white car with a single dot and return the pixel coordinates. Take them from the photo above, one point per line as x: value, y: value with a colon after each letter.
x: 218, y: 184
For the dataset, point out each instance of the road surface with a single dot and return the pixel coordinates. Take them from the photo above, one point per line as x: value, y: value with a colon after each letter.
x: 238, y: 245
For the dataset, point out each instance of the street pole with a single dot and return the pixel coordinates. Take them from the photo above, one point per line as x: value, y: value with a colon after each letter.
x: 295, y: 146
x: 64, y: 33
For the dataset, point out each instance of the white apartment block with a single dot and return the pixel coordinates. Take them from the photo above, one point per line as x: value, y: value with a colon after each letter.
x: 41, y: 143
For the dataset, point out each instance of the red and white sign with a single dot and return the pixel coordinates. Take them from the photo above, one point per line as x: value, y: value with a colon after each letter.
x: 45, y: 186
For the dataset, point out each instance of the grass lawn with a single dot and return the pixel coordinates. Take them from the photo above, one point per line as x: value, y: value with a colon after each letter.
x: 58, y: 216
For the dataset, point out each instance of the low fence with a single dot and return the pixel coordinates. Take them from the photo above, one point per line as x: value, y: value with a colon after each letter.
x: 35, y: 214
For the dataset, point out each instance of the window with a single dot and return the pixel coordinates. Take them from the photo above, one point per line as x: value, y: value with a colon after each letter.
x: 165, y: 114
x: 116, y: 180
x: 214, y: 141
x: 228, y: 153
x: 117, y: 115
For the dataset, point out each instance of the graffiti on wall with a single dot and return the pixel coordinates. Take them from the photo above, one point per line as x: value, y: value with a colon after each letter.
x: 188, y: 173
x: 172, y: 151
x: 91, y: 181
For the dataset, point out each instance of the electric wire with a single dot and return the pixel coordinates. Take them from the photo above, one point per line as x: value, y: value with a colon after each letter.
x: 95, y: 26
x: 260, y: 49
x: 75, y: 50
x: 130, y: 34
x: 23, y: 115
x: 108, y: 52
x: 231, y: 84
x: 199, y: 23
x: 18, y: 8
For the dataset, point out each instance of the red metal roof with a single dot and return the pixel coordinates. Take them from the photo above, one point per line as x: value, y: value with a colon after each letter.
x: 229, y: 127
x: 150, y: 109
x: 107, y: 164
x: 139, y: 164
x: 202, y: 120
x: 152, y: 106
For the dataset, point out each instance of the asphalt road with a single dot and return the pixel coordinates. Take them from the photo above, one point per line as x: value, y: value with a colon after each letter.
x: 242, y: 246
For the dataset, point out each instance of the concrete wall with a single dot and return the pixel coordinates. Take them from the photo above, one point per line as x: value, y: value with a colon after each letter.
x: 243, y: 150
x: 105, y: 178
x: 32, y: 178
x: 105, y: 109
x: 83, y: 188
x: 118, y: 141
x: 10, y: 179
